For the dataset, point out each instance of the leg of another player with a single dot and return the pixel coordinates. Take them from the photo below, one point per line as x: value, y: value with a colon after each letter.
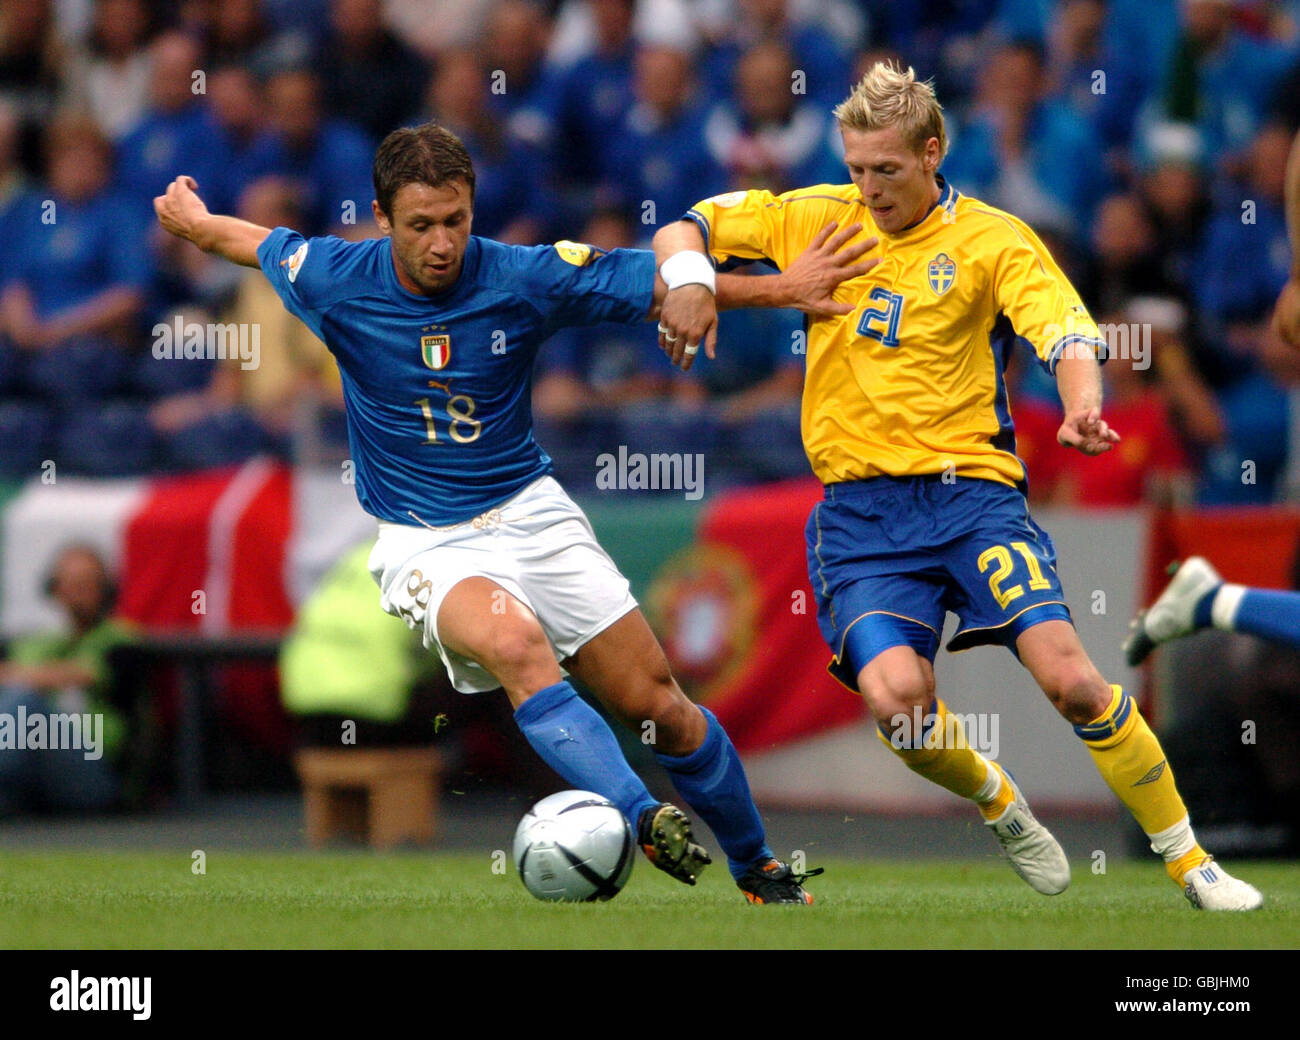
x: 898, y: 686
x: 626, y: 668
x: 1125, y: 750
x: 480, y: 620
x: 1198, y: 598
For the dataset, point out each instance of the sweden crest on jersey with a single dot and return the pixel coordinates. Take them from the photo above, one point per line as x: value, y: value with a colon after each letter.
x: 942, y: 272
x: 436, y: 351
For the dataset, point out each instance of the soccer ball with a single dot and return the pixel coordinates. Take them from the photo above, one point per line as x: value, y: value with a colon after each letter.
x: 574, y: 846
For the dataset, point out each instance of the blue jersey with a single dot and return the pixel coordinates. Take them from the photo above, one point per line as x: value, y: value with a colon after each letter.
x: 438, y: 389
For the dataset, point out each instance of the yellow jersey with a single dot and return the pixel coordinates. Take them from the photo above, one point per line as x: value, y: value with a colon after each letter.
x: 911, y: 382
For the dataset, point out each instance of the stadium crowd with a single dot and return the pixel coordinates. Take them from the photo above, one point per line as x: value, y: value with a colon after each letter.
x: 1145, y: 140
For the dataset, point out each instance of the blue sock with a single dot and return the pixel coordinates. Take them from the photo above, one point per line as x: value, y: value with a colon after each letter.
x: 575, y: 741
x: 712, y: 781
x: 1270, y: 614
x: 1203, y: 605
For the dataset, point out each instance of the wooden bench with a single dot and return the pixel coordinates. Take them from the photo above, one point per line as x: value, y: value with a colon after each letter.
x: 382, y: 796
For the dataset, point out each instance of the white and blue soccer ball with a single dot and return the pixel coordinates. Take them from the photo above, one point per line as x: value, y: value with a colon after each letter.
x: 574, y: 846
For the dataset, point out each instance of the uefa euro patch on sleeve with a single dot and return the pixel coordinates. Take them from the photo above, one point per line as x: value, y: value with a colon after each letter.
x: 294, y: 263
x: 942, y: 272
x: 575, y: 253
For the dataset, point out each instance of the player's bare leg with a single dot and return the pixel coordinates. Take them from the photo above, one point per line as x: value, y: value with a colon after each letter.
x: 481, y: 620
x: 1130, y: 760
x: 627, y: 670
x: 898, y: 686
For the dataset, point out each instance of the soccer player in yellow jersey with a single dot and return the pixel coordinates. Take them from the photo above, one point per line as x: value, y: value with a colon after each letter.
x: 905, y: 420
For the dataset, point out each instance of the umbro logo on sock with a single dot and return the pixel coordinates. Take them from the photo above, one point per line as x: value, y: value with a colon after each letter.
x: 1152, y: 775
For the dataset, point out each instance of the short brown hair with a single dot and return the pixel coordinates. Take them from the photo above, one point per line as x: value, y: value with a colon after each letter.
x: 427, y: 154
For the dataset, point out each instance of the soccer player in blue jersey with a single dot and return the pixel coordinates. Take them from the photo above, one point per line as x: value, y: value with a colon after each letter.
x: 435, y: 331
x: 906, y: 422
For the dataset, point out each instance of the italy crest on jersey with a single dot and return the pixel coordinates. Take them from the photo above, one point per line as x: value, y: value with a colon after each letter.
x: 942, y: 272
x: 436, y: 351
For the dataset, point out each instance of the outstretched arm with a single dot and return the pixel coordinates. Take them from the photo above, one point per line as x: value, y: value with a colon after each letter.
x: 1078, y: 379
x: 181, y: 212
x: 689, y: 315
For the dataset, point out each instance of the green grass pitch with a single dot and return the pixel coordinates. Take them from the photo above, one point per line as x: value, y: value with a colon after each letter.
x: 93, y: 900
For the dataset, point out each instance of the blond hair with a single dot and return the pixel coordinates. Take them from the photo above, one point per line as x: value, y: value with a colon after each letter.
x: 888, y: 96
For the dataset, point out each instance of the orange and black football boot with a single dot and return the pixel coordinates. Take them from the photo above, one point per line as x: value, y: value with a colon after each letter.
x: 775, y: 882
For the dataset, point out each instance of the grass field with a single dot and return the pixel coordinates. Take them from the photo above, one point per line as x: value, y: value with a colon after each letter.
x: 150, y: 900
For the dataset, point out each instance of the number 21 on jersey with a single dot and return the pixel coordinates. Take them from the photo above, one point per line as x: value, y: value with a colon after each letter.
x: 881, y: 322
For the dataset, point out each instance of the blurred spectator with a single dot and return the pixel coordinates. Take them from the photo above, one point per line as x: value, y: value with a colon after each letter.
x: 431, y: 26
x: 1221, y: 79
x: 328, y: 159
x: 372, y: 79
x: 29, y: 58
x: 595, y: 92
x: 111, y: 78
x: 239, y: 32
x: 1125, y: 260
x: 66, y: 672
x: 76, y: 280
x: 769, y: 137
x: 1247, y: 238
x: 14, y: 184
x: 1023, y: 151
x: 523, y: 94
x: 246, y: 408
x: 823, y: 63
x: 241, y: 134
x: 655, y: 162
x: 508, y: 197
x: 353, y: 676
x: 1094, y: 74
x: 174, y: 134
x: 1173, y: 185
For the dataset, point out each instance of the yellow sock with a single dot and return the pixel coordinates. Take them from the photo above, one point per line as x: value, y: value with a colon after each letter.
x: 1129, y: 758
x: 943, y: 756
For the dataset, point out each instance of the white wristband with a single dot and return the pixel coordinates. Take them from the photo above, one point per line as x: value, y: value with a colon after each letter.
x: 688, y: 268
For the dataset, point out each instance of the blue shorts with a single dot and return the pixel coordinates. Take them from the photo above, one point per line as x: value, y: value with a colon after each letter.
x: 888, y: 557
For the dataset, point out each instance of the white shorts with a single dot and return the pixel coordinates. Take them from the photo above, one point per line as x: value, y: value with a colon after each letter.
x: 538, y: 546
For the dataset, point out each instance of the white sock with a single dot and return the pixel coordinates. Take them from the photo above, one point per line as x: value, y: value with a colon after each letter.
x: 1224, y: 607
x: 992, y: 784
x: 1174, y: 842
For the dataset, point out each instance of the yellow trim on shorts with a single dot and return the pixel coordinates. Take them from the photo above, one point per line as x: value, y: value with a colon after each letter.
x: 993, y: 628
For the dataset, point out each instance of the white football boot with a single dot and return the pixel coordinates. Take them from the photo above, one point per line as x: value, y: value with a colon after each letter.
x: 1173, y: 614
x: 1035, y: 855
x: 1210, y: 887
